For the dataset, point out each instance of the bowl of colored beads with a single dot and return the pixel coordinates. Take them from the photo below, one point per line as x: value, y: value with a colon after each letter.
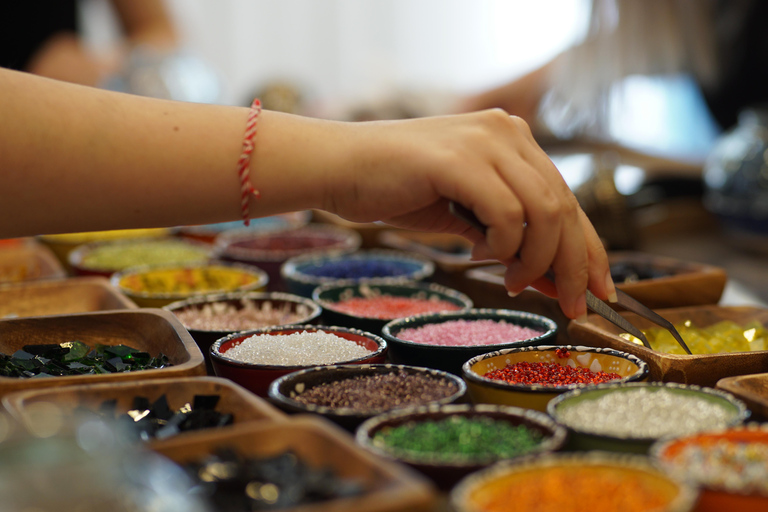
x: 447, y: 340
x: 269, y: 250
x: 160, y: 285
x: 350, y: 394
x: 631, y: 417
x: 530, y: 377
x: 448, y: 442
x: 302, y: 274
x: 730, y: 466
x: 107, y: 257
x: 208, y: 232
x: 211, y: 317
x: 574, y: 482
x: 255, y: 358
x: 369, y: 306
x: 726, y: 341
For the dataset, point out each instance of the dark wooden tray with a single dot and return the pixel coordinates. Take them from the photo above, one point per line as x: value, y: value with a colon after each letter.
x: 61, y: 296
x: 151, y: 330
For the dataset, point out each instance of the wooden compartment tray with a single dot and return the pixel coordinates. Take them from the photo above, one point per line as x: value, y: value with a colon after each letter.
x: 233, y: 399
x: 61, y: 296
x: 150, y: 330
x: 390, y: 487
x: 703, y: 369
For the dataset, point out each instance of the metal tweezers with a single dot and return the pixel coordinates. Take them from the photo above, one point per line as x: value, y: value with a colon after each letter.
x: 593, y: 303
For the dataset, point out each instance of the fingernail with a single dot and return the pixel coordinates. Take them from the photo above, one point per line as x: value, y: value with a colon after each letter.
x: 581, y: 319
x: 512, y: 294
x: 611, y: 287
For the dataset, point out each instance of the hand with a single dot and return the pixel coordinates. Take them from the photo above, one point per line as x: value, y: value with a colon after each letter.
x: 405, y: 172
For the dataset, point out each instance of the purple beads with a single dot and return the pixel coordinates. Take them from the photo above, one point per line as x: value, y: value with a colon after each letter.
x: 360, y: 268
x: 464, y: 333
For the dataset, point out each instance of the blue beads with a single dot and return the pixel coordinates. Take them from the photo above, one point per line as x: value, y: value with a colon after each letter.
x: 360, y: 268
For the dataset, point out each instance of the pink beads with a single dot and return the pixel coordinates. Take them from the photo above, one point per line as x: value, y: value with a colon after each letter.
x: 465, y: 333
x: 388, y: 307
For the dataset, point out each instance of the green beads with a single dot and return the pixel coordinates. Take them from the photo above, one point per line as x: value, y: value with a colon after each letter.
x: 458, y: 438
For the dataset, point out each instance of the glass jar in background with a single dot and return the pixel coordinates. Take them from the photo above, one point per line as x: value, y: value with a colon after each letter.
x: 736, y: 180
x: 86, y: 466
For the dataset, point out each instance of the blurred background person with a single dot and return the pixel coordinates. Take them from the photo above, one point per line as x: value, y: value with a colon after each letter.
x: 147, y: 57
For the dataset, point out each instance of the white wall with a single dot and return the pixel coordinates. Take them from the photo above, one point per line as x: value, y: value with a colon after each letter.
x: 350, y: 49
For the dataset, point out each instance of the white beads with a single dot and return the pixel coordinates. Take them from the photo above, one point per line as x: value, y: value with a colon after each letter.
x: 298, y: 349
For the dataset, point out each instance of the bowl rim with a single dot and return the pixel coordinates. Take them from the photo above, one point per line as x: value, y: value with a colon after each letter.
x: 262, y: 278
x: 349, y: 412
x: 292, y: 219
x: 475, y: 378
x: 484, y: 313
x: 683, y: 502
x: 363, y: 433
x: 75, y: 257
x: 218, y: 357
x: 738, y: 419
x: 315, y: 308
x: 447, y: 293
x: 657, y: 450
x: 345, y: 240
x: 290, y: 269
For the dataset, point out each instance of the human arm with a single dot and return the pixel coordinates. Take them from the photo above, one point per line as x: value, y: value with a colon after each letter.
x: 79, y: 159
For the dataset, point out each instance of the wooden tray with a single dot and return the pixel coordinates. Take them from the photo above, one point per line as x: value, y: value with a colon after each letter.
x: 245, y: 406
x: 392, y: 487
x: 753, y: 389
x: 704, y: 370
x: 61, y: 296
x: 687, y: 283
x: 28, y: 261
x: 151, y: 330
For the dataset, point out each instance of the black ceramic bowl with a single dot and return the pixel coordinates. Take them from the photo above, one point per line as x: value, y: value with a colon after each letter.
x: 284, y: 390
x: 291, y: 306
x: 447, y: 471
x: 302, y: 274
x: 451, y: 358
x: 330, y: 295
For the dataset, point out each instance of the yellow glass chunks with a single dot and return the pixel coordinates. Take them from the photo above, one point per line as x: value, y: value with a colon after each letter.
x: 724, y: 336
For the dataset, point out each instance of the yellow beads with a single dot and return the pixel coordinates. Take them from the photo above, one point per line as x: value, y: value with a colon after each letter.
x: 725, y: 336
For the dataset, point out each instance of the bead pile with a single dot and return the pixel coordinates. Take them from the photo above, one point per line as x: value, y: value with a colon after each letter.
x: 358, y: 269
x: 645, y: 413
x: 287, y: 241
x: 725, y: 336
x: 188, y: 280
x: 381, y: 391
x: 549, y: 374
x: 572, y: 489
x: 464, y: 333
x: 387, y: 307
x: 730, y: 465
x: 297, y: 349
x: 458, y: 438
x: 227, y: 316
x: 121, y: 255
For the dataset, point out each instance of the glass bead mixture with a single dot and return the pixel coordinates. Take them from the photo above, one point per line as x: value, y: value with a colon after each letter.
x: 458, y: 437
x: 381, y: 391
x: 298, y: 349
x: 387, y: 307
x: 462, y: 333
x: 227, y: 316
x: 645, y: 413
x: 549, y: 374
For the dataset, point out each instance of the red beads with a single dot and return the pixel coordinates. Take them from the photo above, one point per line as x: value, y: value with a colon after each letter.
x: 549, y: 374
